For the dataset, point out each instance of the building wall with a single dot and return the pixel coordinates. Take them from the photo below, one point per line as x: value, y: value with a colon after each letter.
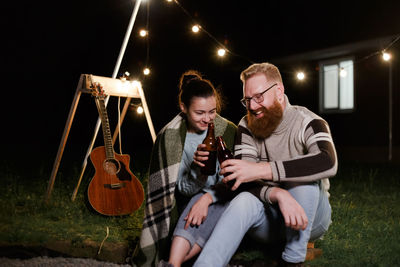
x: 362, y: 134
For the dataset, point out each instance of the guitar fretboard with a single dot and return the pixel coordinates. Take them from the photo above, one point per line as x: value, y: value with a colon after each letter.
x: 105, y: 126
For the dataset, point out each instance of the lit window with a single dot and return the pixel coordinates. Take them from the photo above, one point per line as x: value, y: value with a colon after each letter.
x: 337, y: 86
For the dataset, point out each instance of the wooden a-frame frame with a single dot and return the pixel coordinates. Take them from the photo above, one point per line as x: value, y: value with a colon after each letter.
x: 112, y: 87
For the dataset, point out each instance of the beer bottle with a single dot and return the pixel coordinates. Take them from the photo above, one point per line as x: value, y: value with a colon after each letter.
x: 211, y: 147
x: 223, y: 154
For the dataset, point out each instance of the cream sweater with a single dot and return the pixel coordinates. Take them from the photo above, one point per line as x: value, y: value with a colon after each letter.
x: 299, y: 150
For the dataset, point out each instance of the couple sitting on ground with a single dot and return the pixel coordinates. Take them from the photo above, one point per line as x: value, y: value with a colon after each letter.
x: 284, y: 155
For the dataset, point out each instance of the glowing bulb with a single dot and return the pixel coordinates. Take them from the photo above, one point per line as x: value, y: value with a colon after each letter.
x: 139, y: 110
x: 196, y: 28
x: 386, y: 56
x: 124, y: 77
x: 143, y: 33
x: 221, y: 52
x: 300, y: 76
x: 146, y: 71
x: 343, y: 72
x: 169, y: 0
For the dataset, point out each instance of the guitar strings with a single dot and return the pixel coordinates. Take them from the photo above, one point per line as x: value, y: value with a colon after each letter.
x: 119, y: 125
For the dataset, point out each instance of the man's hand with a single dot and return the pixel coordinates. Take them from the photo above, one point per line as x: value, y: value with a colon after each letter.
x: 200, y: 155
x: 244, y: 171
x: 199, y: 211
x: 292, y: 212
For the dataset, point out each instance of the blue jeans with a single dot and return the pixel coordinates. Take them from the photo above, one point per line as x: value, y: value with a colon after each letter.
x: 246, y: 213
x: 199, y: 234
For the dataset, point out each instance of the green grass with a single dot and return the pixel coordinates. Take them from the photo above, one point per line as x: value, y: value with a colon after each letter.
x: 366, y: 218
x: 365, y: 226
x: 26, y: 218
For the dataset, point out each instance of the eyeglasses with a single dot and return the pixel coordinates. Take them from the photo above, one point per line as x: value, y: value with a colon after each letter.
x: 258, y: 98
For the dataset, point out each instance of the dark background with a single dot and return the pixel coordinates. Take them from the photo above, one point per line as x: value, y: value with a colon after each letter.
x: 48, y: 45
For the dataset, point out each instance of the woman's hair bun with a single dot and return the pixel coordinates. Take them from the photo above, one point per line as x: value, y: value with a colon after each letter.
x: 192, y: 84
x: 189, y: 76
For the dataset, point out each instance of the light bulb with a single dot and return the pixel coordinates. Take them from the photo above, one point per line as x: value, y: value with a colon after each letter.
x: 386, y: 56
x: 300, y: 75
x: 196, y: 28
x: 143, y: 33
x: 221, y: 52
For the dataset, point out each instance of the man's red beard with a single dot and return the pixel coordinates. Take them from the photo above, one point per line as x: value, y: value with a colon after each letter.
x: 264, y: 126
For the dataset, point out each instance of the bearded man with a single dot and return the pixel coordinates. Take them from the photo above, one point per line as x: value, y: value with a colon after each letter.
x: 288, y: 152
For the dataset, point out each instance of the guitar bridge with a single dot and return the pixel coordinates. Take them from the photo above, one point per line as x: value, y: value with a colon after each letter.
x: 114, y: 186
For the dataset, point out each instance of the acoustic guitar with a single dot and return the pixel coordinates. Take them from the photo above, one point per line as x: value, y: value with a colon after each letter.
x: 114, y: 190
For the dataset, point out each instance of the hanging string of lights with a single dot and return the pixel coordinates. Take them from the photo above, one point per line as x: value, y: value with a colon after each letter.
x: 196, y: 28
x: 222, y: 50
x: 386, y: 56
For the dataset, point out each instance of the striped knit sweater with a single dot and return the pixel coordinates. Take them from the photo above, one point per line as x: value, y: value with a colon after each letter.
x: 299, y: 150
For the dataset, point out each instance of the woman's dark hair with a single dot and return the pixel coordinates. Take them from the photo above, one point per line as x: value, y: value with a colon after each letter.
x: 192, y: 84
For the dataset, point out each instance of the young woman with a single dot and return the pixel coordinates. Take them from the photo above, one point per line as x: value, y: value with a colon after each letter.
x: 175, y: 178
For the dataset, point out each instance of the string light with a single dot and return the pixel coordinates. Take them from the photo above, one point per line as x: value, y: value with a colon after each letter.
x: 146, y: 71
x: 137, y: 107
x: 300, y: 76
x: 342, y: 71
x: 125, y: 76
x: 143, y: 33
x: 196, y: 28
x: 386, y: 56
x: 221, y: 52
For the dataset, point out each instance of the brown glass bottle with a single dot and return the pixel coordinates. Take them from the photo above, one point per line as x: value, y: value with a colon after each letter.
x: 223, y: 154
x: 211, y: 147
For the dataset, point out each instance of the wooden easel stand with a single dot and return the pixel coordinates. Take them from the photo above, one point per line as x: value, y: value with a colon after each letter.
x: 112, y: 88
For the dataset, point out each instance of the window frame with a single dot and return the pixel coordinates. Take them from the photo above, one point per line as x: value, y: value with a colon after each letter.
x: 337, y: 62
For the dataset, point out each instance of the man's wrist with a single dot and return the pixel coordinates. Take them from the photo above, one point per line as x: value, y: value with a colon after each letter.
x: 266, y: 172
x: 274, y: 194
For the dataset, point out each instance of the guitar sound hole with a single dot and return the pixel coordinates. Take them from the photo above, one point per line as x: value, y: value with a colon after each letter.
x: 111, y: 166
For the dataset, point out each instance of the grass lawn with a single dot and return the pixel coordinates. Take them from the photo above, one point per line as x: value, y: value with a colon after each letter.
x: 365, y: 201
x: 25, y: 218
x: 366, y: 217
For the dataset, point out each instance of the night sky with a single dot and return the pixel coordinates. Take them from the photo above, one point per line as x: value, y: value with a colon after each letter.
x: 47, y: 45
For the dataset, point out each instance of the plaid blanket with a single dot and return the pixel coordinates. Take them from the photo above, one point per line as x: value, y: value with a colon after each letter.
x: 160, y: 211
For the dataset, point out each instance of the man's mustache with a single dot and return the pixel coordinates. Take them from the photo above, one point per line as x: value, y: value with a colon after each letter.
x: 254, y: 112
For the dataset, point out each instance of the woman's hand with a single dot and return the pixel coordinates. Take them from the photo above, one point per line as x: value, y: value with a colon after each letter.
x: 292, y: 212
x: 198, y: 212
x: 244, y: 171
x: 200, y: 155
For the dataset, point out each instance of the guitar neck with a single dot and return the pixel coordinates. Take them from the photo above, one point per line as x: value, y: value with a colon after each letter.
x: 101, y: 107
